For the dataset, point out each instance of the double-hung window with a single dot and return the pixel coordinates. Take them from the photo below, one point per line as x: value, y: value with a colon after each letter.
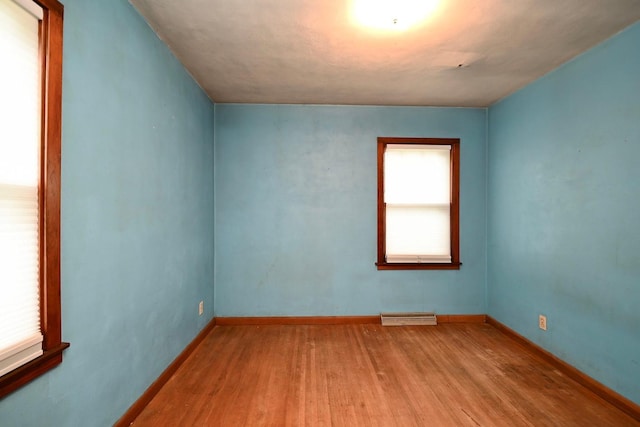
x: 30, y: 133
x: 418, y: 203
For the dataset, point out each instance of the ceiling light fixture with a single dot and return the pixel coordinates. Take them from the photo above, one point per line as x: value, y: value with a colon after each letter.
x: 392, y: 15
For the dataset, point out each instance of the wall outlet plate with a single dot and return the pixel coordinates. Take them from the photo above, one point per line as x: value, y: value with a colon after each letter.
x: 542, y: 322
x: 200, y: 308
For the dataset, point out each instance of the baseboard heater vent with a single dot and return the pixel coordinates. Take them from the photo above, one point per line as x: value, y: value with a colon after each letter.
x: 401, y: 319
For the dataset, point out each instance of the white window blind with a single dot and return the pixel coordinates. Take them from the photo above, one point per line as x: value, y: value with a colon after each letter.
x: 20, y: 114
x: 417, y: 195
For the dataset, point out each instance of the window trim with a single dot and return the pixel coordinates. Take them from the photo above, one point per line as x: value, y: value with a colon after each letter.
x: 455, y: 263
x: 51, y: 28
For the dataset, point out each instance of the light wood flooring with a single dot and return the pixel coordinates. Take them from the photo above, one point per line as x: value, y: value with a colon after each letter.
x: 370, y: 375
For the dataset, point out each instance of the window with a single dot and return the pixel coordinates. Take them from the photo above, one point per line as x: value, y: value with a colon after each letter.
x: 30, y: 139
x: 418, y: 203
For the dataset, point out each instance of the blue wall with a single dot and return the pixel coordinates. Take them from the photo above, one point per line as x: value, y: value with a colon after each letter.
x: 137, y: 219
x: 296, y: 192
x: 564, y: 203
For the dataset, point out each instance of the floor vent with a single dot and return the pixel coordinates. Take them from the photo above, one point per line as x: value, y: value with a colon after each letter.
x: 400, y: 319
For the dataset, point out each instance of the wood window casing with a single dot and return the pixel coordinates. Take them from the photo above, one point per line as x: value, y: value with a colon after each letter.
x: 50, y: 30
x: 454, y: 228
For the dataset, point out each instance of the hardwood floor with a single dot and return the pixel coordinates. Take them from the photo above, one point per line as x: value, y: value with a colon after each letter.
x: 370, y: 375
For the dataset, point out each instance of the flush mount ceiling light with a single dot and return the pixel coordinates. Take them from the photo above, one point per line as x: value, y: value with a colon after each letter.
x: 392, y: 15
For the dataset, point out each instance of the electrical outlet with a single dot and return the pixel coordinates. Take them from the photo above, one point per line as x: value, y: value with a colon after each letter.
x: 200, y: 308
x: 542, y: 322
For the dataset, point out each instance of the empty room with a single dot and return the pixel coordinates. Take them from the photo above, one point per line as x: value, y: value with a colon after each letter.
x: 331, y: 213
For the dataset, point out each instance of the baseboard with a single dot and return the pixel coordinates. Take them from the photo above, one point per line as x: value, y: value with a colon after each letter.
x: 462, y: 318
x: 616, y: 399
x: 297, y: 320
x: 139, y: 405
x: 335, y: 320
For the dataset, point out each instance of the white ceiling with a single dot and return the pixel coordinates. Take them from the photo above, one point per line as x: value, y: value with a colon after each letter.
x: 310, y: 51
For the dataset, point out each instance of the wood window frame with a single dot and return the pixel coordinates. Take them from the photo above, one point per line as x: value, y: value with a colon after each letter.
x: 454, y: 228
x: 50, y: 30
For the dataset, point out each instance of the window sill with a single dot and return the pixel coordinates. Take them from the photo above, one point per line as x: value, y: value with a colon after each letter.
x: 22, y: 375
x: 418, y: 266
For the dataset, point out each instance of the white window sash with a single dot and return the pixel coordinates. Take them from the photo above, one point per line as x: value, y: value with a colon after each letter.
x: 419, y: 259
x: 31, y: 7
x: 20, y: 353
